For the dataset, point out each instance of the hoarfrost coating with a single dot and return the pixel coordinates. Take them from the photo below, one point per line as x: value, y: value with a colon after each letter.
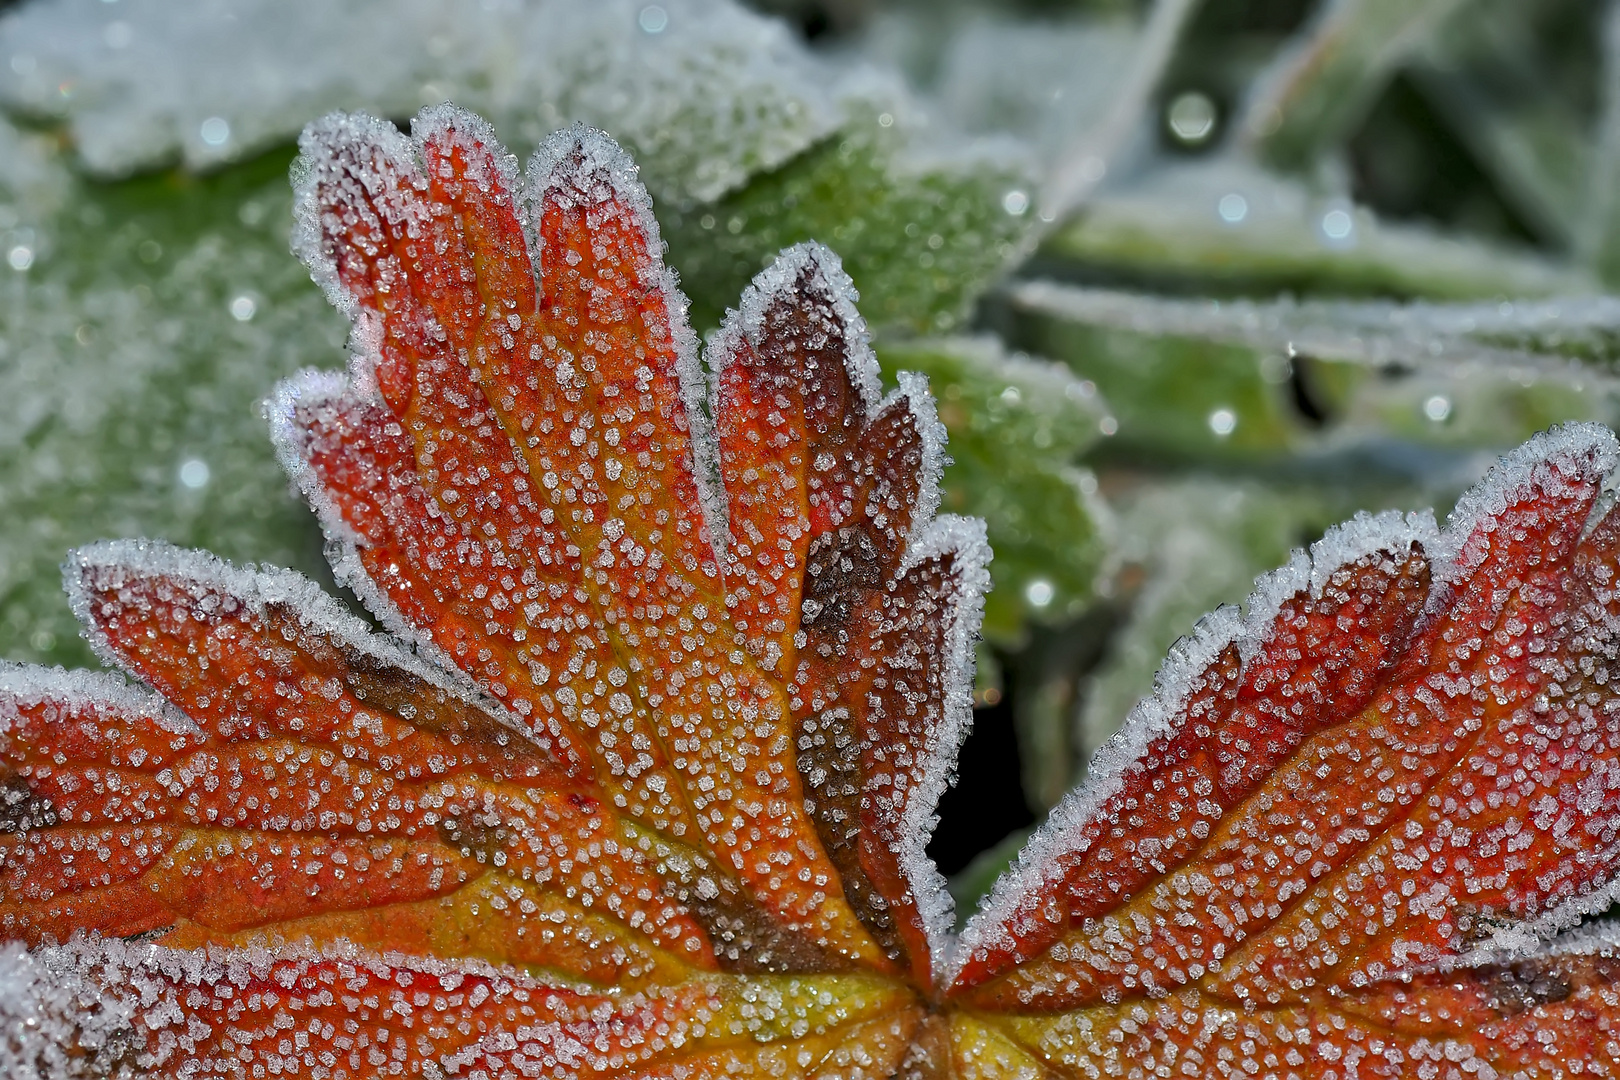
x: 652, y: 788
x: 718, y: 94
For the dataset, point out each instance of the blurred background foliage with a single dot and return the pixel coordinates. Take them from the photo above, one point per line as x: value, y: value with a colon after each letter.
x: 1192, y: 279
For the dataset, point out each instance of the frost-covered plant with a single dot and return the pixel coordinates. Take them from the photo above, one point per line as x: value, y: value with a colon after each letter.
x: 639, y: 780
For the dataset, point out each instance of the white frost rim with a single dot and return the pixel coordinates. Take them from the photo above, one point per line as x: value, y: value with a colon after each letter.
x: 1588, y: 450
x: 205, y: 574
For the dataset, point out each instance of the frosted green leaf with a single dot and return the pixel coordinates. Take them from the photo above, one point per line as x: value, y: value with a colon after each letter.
x: 1224, y: 225
x: 1046, y: 81
x: 705, y: 92
x: 921, y: 228
x: 136, y: 349
x: 1187, y: 378
x: 1017, y: 427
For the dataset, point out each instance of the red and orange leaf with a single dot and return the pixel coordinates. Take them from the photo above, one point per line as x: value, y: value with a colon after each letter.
x: 640, y: 782
x: 599, y: 761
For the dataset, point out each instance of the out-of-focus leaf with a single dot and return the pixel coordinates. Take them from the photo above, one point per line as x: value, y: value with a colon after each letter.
x: 970, y: 885
x: 1223, y: 226
x: 1550, y: 336
x: 1075, y: 88
x: 706, y: 91
x: 1190, y: 377
x: 1016, y: 428
x: 1508, y: 100
x: 136, y: 349
x: 921, y: 229
x: 1045, y: 81
x: 1320, y: 86
x: 1173, y: 396
x: 748, y: 141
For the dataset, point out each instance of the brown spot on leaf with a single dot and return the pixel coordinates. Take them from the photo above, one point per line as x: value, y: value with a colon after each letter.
x: 830, y: 766
x: 1515, y: 988
x: 844, y: 566
x: 747, y: 941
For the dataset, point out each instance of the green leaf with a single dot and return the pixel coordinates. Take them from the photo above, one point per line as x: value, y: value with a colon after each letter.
x: 1225, y: 227
x: 920, y: 235
x: 1247, y: 381
x: 1016, y: 428
x: 137, y: 348
x: 1322, y: 85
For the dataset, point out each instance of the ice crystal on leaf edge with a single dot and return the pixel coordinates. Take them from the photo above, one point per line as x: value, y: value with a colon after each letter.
x: 641, y: 780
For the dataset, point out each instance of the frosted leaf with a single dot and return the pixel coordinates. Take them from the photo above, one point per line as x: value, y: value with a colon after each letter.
x: 1196, y: 545
x: 1101, y: 846
x: 715, y: 95
x: 1533, y: 336
x: 793, y: 360
x: 99, y: 1008
x: 121, y: 362
x: 640, y: 647
x: 1227, y: 218
x: 1339, y: 380
x: 1049, y: 83
x: 1017, y: 424
x: 917, y: 210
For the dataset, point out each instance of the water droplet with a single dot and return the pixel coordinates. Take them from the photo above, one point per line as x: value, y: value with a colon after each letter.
x: 1223, y: 422
x: 1108, y: 425
x: 243, y: 308
x: 1039, y: 592
x: 194, y: 473
x: 215, y: 131
x: 1437, y: 408
x: 20, y: 257
x: 653, y: 19
x: 1233, y: 208
x: 1191, y: 117
x: 1015, y: 202
x: 1337, y: 224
